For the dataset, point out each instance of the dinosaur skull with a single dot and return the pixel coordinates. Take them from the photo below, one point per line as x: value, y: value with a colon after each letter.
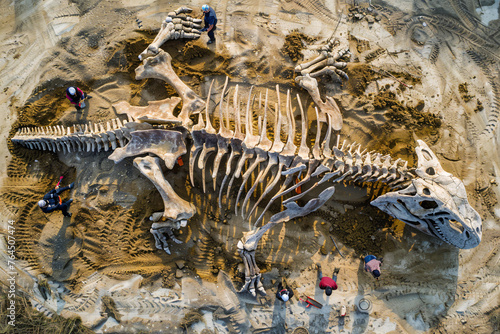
x: 435, y: 203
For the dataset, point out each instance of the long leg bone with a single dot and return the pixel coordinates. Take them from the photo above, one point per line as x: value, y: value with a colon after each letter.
x: 176, y: 208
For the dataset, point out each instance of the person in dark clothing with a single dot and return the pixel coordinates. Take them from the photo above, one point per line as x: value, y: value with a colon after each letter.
x: 52, y: 201
x: 210, y: 22
x: 76, y: 96
x: 326, y: 283
x: 284, y: 294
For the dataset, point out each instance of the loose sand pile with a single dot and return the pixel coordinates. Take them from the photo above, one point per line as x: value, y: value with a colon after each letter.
x: 415, y: 74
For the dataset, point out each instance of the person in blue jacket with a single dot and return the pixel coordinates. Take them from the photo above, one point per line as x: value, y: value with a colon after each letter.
x: 210, y: 22
x: 52, y: 201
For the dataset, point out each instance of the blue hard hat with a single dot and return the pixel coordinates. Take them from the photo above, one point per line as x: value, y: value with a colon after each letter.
x: 204, y: 7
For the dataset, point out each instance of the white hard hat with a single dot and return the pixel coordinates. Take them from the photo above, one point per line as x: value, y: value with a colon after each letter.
x: 168, y: 19
x: 72, y: 90
x: 42, y: 203
x: 285, y: 297
x: 204, y: 7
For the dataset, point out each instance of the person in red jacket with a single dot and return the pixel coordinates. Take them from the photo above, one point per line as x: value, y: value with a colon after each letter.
x: 326, y: 283
x: 76, y: 96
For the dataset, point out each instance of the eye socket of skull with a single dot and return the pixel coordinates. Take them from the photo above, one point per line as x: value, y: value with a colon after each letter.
x: 430, y: 171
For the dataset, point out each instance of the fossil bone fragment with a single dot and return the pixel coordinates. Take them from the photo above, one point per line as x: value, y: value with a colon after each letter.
x: 174, y: 26
x: 156, y: 112
x: 176, y: 209
x: 160, y: 67
x: 166, y: 144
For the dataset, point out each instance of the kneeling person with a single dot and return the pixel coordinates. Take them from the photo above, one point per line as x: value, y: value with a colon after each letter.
x: 52, y: 201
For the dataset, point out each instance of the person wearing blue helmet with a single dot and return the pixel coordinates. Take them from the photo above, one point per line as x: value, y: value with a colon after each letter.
x: 210, y: 22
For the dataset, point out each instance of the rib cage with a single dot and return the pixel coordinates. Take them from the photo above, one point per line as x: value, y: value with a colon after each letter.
x: 250, y: 159
x: 272, y: 160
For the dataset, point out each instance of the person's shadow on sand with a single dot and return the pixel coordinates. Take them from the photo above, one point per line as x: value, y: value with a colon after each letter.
x: 279, y: 317
x: 83, y: 113
x: 62, y: 263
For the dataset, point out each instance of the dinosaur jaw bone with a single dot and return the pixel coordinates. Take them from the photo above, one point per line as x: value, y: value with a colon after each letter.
x: 160, y: 67
x: 435, y: 203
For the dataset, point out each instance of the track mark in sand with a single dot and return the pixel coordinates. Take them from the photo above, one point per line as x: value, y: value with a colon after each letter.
x: 487, y: 65
x: 434, y: 53
x: 316, y: 7
x: 205, y: 250
x: 463, y: 12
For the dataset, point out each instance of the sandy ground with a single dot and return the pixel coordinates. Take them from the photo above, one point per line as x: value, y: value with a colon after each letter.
x: 102, y: 265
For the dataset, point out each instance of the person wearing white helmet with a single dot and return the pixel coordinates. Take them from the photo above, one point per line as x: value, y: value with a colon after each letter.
x: 210, y: 22
x: 76, y: 96
x: 284, y: 294
x: 52, y: 201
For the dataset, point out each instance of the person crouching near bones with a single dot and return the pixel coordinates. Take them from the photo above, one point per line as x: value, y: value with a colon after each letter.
x: 76, y: 96
x: 327, y: 283
x: 284, y: 294
x: 53, y: 202
x: 372, y: 265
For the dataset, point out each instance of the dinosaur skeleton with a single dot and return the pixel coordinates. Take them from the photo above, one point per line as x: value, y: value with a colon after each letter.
x: 426, y: 198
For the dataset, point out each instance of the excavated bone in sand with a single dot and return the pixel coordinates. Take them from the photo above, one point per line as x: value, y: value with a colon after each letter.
x: 329, y: 107
x: 176, y: 208
x: 174, y: 26
x: 160, y: 67
x: 156, y: 112
x: 168, y: 145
